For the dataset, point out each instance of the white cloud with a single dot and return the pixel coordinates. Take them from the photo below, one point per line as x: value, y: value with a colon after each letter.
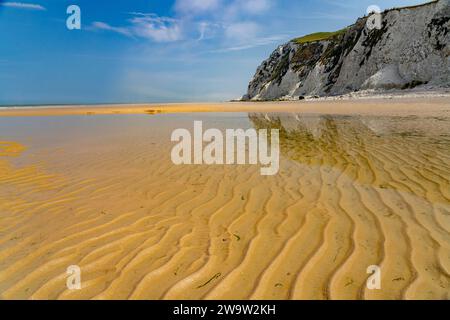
x: 159, y: 29
x: 202, y: 28
x: 148, y: 26
x: 240, y: 8
x: 255, y: 6
x: 22, y: 5
x: 200, y: 20
x: 196, y: 6
x: 208, y: 30
x: 258, y: 42
x: 242, y: 31
x: 104, y: 26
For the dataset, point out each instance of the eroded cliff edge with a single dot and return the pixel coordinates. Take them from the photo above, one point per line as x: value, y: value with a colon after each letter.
x: 411, y: 49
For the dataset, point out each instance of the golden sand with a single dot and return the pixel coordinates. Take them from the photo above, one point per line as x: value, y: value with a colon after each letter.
x: 408, y: 106
x: 102, y: 193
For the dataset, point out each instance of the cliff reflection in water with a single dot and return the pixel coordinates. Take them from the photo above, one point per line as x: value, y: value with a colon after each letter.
x: 403, y: 153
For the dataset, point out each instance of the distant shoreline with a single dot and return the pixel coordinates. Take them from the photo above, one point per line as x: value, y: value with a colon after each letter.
x: 384, y: 105
x: 359, y: 95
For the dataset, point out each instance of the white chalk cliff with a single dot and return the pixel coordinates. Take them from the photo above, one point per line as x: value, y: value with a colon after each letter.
x: 411, y: 48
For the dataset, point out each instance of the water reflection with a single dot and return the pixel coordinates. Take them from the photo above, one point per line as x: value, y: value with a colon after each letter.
x: 403, y: 153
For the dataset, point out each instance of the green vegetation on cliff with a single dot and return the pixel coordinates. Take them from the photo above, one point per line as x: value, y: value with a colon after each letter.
x: 318, y: 36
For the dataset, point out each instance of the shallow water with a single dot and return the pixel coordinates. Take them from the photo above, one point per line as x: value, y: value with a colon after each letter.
x: 101, y: 192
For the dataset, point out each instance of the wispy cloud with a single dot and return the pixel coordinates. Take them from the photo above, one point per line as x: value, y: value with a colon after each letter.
x: 259, y: 42
x: 196, y: 6
x: 234, y: 23
x: 97, y: 25
x: 253, y: 6
x: 242, y: 31
x: 23, y: 5
x: 159, y: 29
x: 206, y: 30
x: 146, y: 25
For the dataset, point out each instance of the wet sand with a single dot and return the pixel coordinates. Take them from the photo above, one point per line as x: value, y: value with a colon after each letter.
x: 370, y: 106
x: 356, y: 187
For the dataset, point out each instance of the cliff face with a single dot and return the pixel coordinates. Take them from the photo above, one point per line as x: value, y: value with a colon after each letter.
x: 412, y: 48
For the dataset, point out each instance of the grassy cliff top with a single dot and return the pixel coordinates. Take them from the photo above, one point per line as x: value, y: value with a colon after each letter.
x: 318, y: 36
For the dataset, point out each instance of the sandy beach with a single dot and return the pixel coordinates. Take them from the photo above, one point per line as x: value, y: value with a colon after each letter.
x: 361, y: 183
x: 369, y: 106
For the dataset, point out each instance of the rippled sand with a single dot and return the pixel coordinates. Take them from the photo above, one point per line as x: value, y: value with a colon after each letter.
x: 101, y: 192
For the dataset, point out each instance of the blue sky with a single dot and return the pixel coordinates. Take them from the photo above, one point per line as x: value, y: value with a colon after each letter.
x: 152, y: 51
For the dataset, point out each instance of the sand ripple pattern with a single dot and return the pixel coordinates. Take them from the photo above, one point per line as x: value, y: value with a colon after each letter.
x: 351, y: 192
